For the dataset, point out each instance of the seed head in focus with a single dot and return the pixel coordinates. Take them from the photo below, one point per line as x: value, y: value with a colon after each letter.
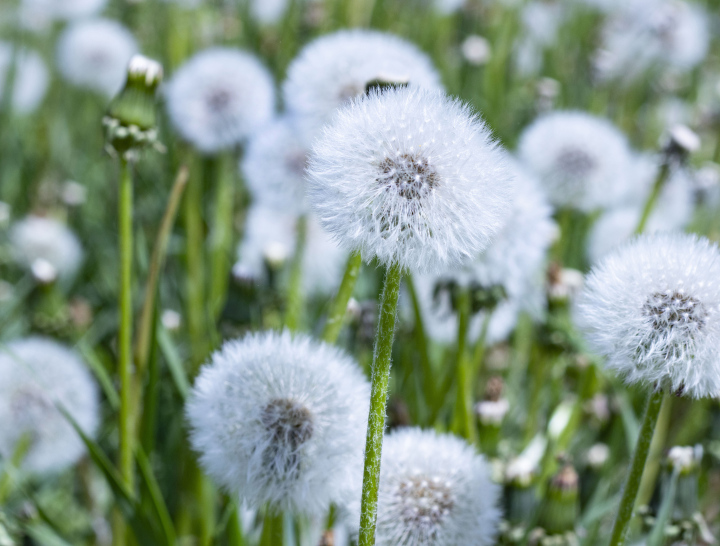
x: 38, y: 376
x: 434, y: 490
x: 411, y: 177
x: 220, y: 97
x: 281, y: 420
x: 651, y: 308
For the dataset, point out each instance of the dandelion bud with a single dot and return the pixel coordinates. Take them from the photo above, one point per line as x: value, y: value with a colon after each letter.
x: 652, y: 308
x: 130, y: 121
x: 560, y: 507
x: 681, y: 141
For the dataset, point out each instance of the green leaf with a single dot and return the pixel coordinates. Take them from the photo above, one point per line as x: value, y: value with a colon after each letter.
x: 173, y: 361
x: 150, y: 482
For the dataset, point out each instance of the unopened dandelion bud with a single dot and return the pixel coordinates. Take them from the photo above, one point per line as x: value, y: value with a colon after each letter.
x: 491, y: 412
x: 560, y: 507
x: 681, y: 141
x: 130, y: 121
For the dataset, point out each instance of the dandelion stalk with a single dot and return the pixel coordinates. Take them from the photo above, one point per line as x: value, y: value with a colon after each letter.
x: 295, y: 297
x: 378, y: 400
x: 22, y: 447
x: 462, y: 425
x: 637, y: 466
x: 338, y: 308
x: 221, y: 234
x: 653, y: 197
x: 125, y: 364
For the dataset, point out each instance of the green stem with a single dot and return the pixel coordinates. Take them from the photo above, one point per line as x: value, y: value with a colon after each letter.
x: 637, y: 466
x: 461, y: 426
x: 338, y: 308
x: 125, y: 364
x: 221, y: 234
x: 295, y: 297
x: 653, y: 197
x: 22, y: 447
x: 273, y: 532
x: 234, y: 528
x: 428, y: 377
x: 378, y: 400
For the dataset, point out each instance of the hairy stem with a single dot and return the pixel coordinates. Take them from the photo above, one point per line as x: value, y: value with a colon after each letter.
x: 637, y: 466
x: 338, y: 308
x: 378, y: 401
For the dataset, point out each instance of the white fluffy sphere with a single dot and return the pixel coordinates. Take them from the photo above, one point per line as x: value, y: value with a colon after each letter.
x: 334, y: 69
x: 37, y: 377
x: 411, y: 177
x: 274, y: 167
x: 38, y: 239
x: 583, y: 161
x: 31, y: 77
x: 434, y: 491
x: 220, y: 97
x: 94, y: 53
x: 652, y: 309
x: 281, y: 420
x: 270, y: 234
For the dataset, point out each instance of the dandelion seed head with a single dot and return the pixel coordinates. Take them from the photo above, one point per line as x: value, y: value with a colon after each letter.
x: 30, y: 80
x: 37, y: 376
x: 39, y: 240
x: 281, y: 420
x: 334, y: 69
x: 271, y: 236
x: 94, y: 53
x: 646, y: 34
x: 220, y: 97
x: 651, y: 309
x: 434, y: 490
x: 273, y: 167
x: 581, y: 160
x: 410, y: 177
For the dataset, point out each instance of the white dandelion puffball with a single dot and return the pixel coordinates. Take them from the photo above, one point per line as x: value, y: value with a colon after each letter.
x: 514, y: 263
x: 652, y: 308
x: 672, y: 212
x: 649, y: 33
x: 434, y: 490
x: 94, y: 53
x: 37, y: 239
x: 583, y: 161
x: 30, y: 81
x: 411, y: 177
x: 268, y: 12
x: 273, y: 167
x: 281, y: 420
x: 38, y: 378
x: 334, y: 69
x: 39, y: 13
x: 220, y: 97
x: 271, y: 236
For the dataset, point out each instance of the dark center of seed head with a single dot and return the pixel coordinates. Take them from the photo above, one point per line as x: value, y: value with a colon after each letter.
x: 426, y: 501
x: 669, y: 310
x: 575, y: 162
x: 288, y: 422
x: 218, y: 100
x: 409, y: 175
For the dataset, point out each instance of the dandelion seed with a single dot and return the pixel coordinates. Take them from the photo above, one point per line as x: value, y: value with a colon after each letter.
x: 219, y: 98
x: 94, y: 53
x: 651, y: 308
x: 434, y: 490
x: 281, y: 420
x: 334, y: 69
x: 30, y: 79
x: 411, y: 177
x: 39, y: 242
x: 37, y: 377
